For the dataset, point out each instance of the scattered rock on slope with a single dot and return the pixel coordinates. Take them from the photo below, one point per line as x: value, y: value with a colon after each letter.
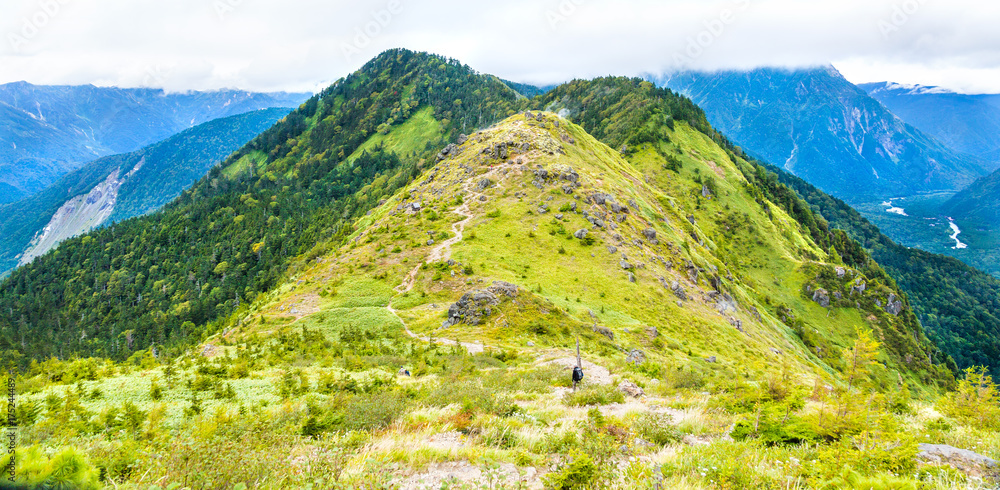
x: 894, y: 306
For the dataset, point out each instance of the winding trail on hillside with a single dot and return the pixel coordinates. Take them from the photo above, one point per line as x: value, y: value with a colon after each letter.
x: 471, y: 347
x: 442, y: 252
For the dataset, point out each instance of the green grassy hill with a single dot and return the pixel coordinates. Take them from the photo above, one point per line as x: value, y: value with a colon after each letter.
x: 423, y: 302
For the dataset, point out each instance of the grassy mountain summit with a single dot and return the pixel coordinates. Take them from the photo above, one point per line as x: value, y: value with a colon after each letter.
x: 413, y: 274
x: 594, y: 232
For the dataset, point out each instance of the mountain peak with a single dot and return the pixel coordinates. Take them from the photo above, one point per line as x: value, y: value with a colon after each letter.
x: 903, y: 88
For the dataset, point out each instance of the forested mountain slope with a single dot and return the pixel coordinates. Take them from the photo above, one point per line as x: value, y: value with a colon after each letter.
x: 164, y: 278
x: 119, y: 187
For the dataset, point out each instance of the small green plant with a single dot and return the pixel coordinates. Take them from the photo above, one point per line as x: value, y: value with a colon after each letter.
x: 155, y: 391
x: 579, y: 471
x: 68, y: 468
x: 195, y: 408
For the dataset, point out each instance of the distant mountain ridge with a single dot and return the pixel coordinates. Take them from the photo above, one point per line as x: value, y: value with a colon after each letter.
x: 48, y: 131
x: 118, y: 187
x: 967, y: 123
x: 817, y: 125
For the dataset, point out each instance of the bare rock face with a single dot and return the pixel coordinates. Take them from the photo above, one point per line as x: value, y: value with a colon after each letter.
x: 474, y: 306
x: 822, y: 297
x: 894, y: 306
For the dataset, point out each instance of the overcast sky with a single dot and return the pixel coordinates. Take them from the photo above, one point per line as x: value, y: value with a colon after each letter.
x: 306, y: 44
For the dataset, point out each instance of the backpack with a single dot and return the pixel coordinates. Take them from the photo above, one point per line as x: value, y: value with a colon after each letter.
x: 577, y: 374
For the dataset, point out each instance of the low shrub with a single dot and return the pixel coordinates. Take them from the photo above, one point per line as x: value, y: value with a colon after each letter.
x: 578, y: 471
x: 681, y: 378
x: 657, y: 428
x: 594, y: 395
x: 66, y: 469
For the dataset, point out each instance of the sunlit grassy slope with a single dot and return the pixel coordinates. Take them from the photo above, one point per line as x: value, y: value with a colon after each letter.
x: 738, y: 261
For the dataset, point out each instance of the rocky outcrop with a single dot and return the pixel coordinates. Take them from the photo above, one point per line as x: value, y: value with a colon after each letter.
x: 605, y: 331
x: 636, y: 357
x: 894, y: 306
x: 449, y: 150
x: 676, y: 288
x: 822, y: 297
x: 474, y: 306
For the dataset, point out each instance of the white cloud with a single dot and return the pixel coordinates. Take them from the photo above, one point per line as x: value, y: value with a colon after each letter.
x: 301, y: 44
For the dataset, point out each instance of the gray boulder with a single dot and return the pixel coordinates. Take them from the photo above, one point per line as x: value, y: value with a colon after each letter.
x: 959, y: 458
x: 581, y: 234
x: 617, y: 208
x: 631, y: 389
x: 678, y: 291
x: 822, y: 297
x: 447, y: 151
x: 599, y: 198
